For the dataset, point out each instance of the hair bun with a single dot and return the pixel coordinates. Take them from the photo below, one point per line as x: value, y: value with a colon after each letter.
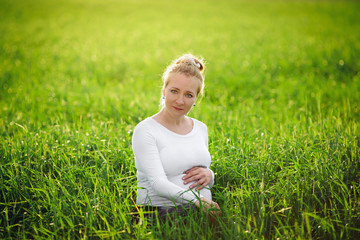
x: 190, y: 59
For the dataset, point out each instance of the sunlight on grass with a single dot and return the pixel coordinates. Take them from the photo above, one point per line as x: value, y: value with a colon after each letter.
x: 281, y: 105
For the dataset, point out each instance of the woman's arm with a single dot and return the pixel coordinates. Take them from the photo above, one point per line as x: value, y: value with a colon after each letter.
x: 148, y: 163
x: 202, y: 175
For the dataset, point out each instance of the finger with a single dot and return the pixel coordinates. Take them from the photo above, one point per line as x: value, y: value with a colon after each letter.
x: 203, y: 185
x: 189, y: 178
x: 203, y: 182
x: 200, y: 187
x: 192, y: 176
x: 196, y: 184
x: 191, y: 169
x: 200, y: 184
x: 203, y: 179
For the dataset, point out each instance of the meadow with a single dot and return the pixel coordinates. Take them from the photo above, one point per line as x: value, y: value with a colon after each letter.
x: 281, y: 104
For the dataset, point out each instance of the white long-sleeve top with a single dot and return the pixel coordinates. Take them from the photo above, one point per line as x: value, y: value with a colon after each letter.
x: 161, y: 158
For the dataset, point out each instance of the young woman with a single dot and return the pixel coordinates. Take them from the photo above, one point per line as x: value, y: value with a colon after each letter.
x: 171, y: 149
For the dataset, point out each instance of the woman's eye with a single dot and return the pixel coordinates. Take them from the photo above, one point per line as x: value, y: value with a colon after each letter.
x: 189, y: 95
x: 173, y: 91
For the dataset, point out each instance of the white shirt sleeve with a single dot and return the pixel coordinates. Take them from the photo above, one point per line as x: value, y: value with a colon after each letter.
x: 212, y: 179
x: 147, y: 161
x: 207, y: 144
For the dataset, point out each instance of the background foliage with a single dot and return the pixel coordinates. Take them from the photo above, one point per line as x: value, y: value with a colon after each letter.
x: 281, y: 104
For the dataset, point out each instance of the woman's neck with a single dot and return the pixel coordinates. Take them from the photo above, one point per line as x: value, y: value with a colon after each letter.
x: 168, y: 118
x: 180, y: 125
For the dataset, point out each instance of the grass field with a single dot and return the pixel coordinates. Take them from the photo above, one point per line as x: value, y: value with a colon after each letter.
x: 281, y: 104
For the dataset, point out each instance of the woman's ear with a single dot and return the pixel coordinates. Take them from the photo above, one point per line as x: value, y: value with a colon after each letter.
x: 163, y: 92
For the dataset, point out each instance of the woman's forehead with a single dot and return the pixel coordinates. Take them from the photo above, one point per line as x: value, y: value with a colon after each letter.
x: 184, y: 82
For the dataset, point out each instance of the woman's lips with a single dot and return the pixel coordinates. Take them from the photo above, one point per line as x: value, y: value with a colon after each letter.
x: 178, y: 109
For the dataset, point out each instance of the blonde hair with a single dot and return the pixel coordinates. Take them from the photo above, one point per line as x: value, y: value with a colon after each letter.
x: 189, y: 65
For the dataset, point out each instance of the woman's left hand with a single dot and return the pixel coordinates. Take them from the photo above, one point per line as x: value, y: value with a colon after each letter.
x: 201, y: 175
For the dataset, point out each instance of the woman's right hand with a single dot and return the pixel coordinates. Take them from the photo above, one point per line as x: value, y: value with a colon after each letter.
x: 212, y: 207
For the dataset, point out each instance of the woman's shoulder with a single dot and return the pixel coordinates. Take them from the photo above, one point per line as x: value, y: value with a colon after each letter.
x: 145, y: 129
x: 147, y: 123
x: 200, y: 124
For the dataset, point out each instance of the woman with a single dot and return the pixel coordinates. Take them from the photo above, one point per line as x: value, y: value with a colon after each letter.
x: 171, y: 149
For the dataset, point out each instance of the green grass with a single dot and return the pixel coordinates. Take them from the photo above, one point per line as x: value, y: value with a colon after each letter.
x: 281, y: 104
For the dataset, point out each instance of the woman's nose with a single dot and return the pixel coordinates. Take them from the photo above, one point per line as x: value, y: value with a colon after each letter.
x: 180, y: 100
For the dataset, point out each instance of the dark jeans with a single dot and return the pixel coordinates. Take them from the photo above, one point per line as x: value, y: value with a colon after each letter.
x: 170, y: 213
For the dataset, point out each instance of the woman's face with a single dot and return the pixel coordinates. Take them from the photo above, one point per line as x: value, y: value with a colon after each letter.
x: 181, y: 93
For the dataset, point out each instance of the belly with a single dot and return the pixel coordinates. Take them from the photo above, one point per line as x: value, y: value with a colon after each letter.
x: 177, y: 180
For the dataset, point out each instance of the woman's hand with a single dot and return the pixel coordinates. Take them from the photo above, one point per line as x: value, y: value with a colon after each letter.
x: 201, y: 175
x: 210, y: 206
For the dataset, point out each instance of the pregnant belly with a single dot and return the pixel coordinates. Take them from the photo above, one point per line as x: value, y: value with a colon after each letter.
x: 177, y: 180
